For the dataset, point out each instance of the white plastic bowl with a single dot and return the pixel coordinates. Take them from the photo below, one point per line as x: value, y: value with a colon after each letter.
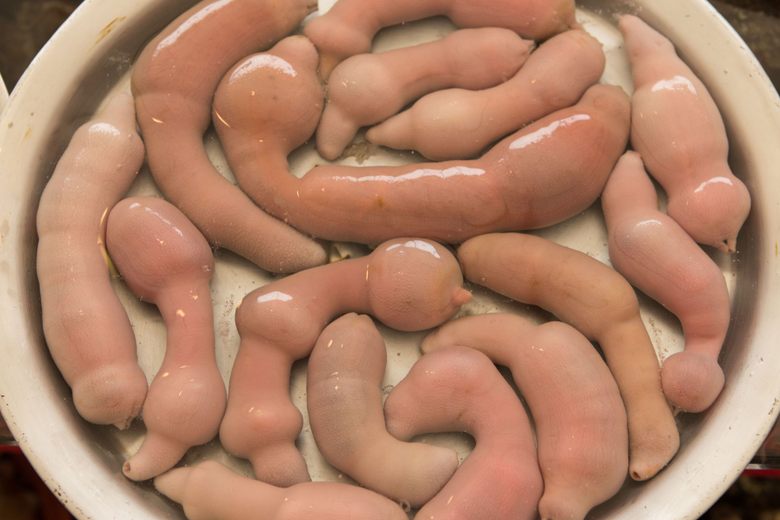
x: 3, y: 94
x: 92, y: 53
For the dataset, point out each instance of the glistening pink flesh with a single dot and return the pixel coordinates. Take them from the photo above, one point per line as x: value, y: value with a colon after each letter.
x: 166, y: 261
x: 657, y: 256
x: 543, y: 174
x: 601, y: 304
x: 211, y: 491
x: 173, y: 81
x: 344, y: 399
x: 368, y: 88
x: 407, y: 284
x: 348, y: 28
x: 458, y: 389
x: 461, y: 123
x: 679, y: 132
x: 579, y: 417
x: 86, y: 328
